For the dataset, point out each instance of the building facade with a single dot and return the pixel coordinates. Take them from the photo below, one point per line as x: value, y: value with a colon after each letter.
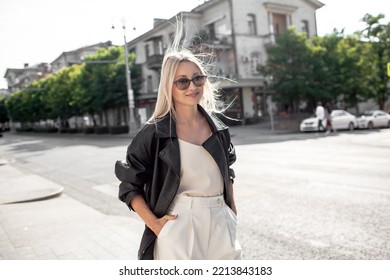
x: 76, y: 56
x: 19, y: 78
x: 238, y: 32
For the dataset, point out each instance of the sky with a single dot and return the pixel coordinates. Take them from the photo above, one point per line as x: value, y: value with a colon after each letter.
x: 34, y: 31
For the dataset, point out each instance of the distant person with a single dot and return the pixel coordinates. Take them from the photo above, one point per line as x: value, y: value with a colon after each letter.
x: 320, y: 114
x: 177, y: 174
x: 328, y: 112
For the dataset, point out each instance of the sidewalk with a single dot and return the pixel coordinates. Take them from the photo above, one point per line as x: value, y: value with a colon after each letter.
x: 37, y: 221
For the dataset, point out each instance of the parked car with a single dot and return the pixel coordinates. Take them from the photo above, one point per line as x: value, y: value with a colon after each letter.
x: 374, y: 119
x: 341, y: 120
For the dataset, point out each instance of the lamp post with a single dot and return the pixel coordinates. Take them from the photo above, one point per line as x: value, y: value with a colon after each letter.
x: 269, y: 101
x: 130, y: 93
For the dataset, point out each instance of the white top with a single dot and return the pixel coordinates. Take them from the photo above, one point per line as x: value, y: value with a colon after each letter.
x: 199, y: 173
x: 320, y: 112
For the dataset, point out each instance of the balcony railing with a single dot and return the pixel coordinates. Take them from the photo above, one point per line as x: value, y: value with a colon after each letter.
x: 154, y: 61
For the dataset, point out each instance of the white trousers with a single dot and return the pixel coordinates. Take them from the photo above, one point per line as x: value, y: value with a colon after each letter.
x: 205, y: 229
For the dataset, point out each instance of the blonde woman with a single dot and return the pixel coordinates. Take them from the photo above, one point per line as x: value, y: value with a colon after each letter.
x: 177, y: 175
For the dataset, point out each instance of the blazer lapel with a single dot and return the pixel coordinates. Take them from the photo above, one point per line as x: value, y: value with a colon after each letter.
x: 171, y: 155
x: 214, y: 146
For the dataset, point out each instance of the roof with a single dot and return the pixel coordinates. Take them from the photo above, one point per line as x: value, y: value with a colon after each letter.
x: 101, y: 44
x: 315, y: 3
x: 21, y: 70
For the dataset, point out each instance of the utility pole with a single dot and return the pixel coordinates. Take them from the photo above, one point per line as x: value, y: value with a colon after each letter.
x: 132, y: 123
x: 130, y: 93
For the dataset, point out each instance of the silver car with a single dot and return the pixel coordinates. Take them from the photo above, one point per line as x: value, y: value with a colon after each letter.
x: 374, y: 119
x: 341, y: 120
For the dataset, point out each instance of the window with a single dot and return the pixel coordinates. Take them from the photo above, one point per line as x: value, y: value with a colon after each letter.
x: 252, y: 24
x: 157, y: 45
x: 147, y: 52
x: 211, y: 31
x: 305, y: 27
x: 149, y: 84
x: 279, y: 23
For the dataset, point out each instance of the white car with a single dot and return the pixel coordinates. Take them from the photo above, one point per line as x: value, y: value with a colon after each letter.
x: 374, y: 119
x: 340, y: 119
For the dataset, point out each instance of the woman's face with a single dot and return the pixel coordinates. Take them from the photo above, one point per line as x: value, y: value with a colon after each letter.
x: 187, y: 96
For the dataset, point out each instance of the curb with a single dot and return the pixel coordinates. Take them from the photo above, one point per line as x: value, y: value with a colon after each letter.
x: 54, y: 194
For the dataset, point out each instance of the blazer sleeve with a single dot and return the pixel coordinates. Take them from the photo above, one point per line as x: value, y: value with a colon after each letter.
x: 135, y: 170
x: 231, y: 153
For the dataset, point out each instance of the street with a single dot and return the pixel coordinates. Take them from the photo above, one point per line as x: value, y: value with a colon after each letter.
x: 299, y: 195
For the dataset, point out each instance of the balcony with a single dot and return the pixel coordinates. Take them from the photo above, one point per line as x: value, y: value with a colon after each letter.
x: 154, y: 62
x: 269, y: 39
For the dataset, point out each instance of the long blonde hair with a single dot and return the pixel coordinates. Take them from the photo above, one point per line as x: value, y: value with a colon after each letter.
x: 175, y: 54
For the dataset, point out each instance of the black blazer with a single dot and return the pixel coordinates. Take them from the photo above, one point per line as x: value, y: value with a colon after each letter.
x: 152, y: 168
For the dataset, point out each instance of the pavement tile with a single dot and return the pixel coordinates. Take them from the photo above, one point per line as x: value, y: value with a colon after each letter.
x: 59, y: 227
x: 13, y: 256
x: 69, y: 256
x: 16, y: 186
x: 42, y: 250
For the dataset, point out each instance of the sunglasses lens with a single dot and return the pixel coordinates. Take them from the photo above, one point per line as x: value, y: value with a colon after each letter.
x: 199, y: 81
x: 183, y: 83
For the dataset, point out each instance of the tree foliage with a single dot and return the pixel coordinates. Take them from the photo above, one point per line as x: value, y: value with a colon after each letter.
x: 88, y: 88
x: 333, y: 68
x: 289, y: 65
x: 3, y: 112
x: 378, y: 35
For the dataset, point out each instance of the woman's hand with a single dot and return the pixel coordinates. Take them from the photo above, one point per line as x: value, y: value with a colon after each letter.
x: 234, y: 208
x: 158, y: 224
x: 231, y: 195
x: 155, y: 224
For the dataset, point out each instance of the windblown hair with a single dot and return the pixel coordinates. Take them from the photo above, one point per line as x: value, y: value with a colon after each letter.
x: 175, y: 54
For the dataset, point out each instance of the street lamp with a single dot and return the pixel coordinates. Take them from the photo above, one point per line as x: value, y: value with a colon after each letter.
x: 130, y: 93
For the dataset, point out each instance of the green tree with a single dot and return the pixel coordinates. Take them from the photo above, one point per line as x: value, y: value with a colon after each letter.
x: 37, y: 106
x: 60, y: 93
x: 378, y: 34
x: 290, y: 64
x: 89, y: 88
x: 17, y: 106
x: 354, y: 71
x: 344, y: 68
x: 3, y: 112
x: 333, y: 68
x: 103, y: 81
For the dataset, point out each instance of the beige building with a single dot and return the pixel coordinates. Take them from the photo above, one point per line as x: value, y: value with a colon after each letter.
x: 76, y: 56
x: 238, y: 32
x: 19, y: 78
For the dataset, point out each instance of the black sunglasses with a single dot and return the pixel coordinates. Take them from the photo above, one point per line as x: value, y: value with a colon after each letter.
x: 184, y: 83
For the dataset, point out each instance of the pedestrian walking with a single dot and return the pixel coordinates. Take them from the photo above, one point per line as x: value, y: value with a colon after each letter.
x: 320, y: 114
x: 328, y: 116
x: 177, y: 175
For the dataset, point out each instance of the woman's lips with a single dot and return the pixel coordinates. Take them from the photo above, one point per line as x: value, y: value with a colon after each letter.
x: 194, y: 94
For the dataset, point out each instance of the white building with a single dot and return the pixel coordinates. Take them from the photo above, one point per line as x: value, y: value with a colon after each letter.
x: 238, y: 32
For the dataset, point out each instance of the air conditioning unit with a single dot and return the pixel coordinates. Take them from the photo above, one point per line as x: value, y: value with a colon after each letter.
x: 245, y: 59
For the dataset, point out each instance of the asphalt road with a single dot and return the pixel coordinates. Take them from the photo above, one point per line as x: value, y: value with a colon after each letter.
x: 299, y: 196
